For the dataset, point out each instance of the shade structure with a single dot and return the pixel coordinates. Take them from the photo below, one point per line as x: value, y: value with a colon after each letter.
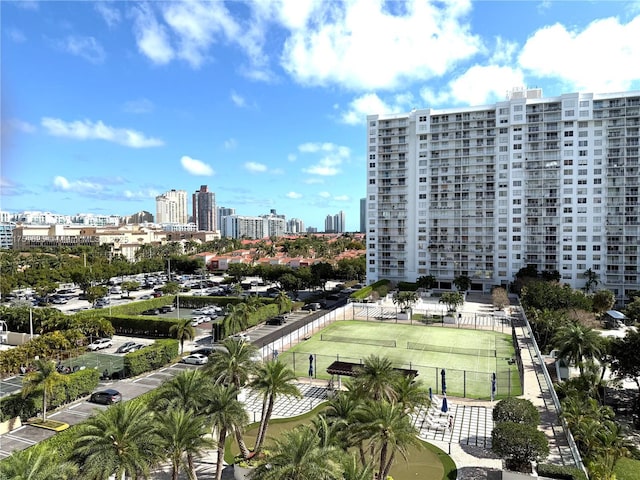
x: 445, y: 407
x: 443, y: 383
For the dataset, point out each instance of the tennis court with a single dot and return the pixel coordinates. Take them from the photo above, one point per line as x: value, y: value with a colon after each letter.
x: 99, y: 361
x: 469, y: 357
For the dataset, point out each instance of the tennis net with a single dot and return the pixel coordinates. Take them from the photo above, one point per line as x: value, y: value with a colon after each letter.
x: 477, y: 352
x: 364, y: 341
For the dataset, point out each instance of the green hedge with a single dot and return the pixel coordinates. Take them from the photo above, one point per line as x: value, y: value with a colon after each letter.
x: 79, y: 384
x: 366, y: 291
x: 142, y: 325
x: 560, y: 471
x: 150, y: 358
x: 407, y: 286
x: 133, y: 308
x: 187, y: 301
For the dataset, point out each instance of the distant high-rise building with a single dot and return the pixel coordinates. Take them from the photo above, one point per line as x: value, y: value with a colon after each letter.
x: 295, y: 225
x: 274, y: 224
x: 363, y: 215
x: 239, y: 226
x: 204, y: 209
x: 171, y: 207
x: 139, y: 217
x: 334, y: 223
x: 222, y: 212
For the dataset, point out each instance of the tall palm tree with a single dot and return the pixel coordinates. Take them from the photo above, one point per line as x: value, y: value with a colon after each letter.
x: 121, y: 440
x: 410, y: 393
x: 273, y: 379
x: 45, y: 377
x: 188, y: 391
x: 37, y: 463
x: 375, y: 379
x: 576, y: 342
x: 298, y: 455
x: 182, y: 330
x: 237, y: 318
x: 227, y: 414
x: 283, y: 301
x: 182, y: 434
x: 389, y: 431
x: 233, y: 364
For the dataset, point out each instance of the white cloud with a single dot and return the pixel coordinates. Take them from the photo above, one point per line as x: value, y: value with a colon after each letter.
x: 230, y: 144
x: 16, y: 35
x: 503, y: 52
x: 196, y: 167
x: 15, y: 125
x: 294, y: 195
x: 324, y: 194
x: 255, y: 167
x: 332, y: 157
x: 292, y: 157
x: 479, y: 85
x: 313, y: 181
x: 88, y: 130
x: 78, y: 186
x: 342, y: 198
x: 141, y: 194
x: 601, y: 57
x: 238, y: 100
x: 363, y: 45
x: 83, y: 47
x: 109, y: 13
x: 141, y: 105
x: 371, y: 103
x: 197, y: 24
x: 151, y: 37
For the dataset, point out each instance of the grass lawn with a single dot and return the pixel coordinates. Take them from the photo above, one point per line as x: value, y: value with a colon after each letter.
x: 428, y: 462
x: 466, y: 375
x: 627, y: 469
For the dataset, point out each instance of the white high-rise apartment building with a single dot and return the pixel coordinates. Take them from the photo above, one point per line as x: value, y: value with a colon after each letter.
x: 485, y: 191
x: 171, y: 207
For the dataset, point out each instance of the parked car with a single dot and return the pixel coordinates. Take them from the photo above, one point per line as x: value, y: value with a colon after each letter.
x: 145, y: 297
x: 136, y: 347
x: 100, y: 343
x: 151, y: 311
x: 124, y: 348
x: 106, y: 397
x: 241, y: 337
x: 312, y: 307
x: 277, y: 320
x: 195, y: 359
x: 167, y: 308
x: 156, y: 294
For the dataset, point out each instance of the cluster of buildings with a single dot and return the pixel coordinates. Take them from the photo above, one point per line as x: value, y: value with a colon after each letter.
x: 484, y: 191
x: 172, y: 222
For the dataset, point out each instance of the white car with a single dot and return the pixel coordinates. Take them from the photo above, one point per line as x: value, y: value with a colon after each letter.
x: 241, y: 337
x: 100, y: 343
x: 195, y: 359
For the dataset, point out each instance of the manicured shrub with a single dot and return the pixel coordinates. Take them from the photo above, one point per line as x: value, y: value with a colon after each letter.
x: 78, y: 385
x: 150, y: 358
x: 516, y: 410
x: 519, y: 444
x: 561, y: 472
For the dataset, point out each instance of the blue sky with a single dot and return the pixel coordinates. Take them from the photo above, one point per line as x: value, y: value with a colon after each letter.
x: 107, y: 104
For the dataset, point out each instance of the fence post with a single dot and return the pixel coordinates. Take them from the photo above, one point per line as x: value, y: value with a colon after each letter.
x: 294, y: 361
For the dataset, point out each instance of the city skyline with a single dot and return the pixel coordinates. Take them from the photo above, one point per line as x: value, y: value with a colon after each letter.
x: 106, y: 105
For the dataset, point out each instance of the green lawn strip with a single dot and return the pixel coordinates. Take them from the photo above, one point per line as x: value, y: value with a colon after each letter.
x: 428, y: 463
x: 627, y: 469
x: 471, y: 370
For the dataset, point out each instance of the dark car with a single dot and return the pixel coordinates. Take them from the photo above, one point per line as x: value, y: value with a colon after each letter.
x: 106, y: 397
x: 124, y: 348
x: 156, y: 294
x: 151, y: 311
x: 279, y: 320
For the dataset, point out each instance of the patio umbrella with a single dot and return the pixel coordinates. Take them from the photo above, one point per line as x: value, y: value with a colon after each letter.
x: 493, y: 386
x: 430, y: 394
x: 311, y: 365
x: 444, y: 408
x: 444, y: 381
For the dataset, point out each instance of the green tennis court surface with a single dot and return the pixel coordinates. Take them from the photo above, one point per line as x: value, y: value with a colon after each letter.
x: 469, y: 357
